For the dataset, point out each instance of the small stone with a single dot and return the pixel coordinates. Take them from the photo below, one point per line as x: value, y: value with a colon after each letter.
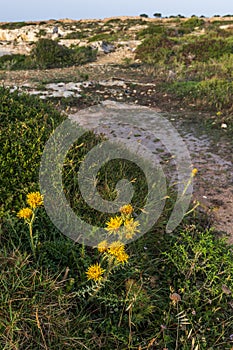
x: 226, y: 290
x: 175, y: 297
x: 224, y: 126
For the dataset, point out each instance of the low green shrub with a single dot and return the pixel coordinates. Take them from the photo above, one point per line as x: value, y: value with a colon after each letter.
x: 221, y: 69
x: 50, y: 54
x: 133, y: 22
x: 76, y: 35
x: 155, y: 49
x: 151, y: 30
x: 109, y: 37
x: 14, y: 62
x: 26, y: 124
x: 114, y: 20
x: 84, y: 54
x: 217, y: 23
x: 189, y: 25
x: 15, y: 25
x: 47, y: 54
x: 41, y: 33
x: 204, y: 49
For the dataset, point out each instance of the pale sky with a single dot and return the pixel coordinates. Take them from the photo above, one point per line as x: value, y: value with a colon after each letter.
x: 20, y: 10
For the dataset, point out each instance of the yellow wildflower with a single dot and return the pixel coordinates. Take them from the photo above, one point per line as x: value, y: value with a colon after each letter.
x: 95, y: 272
x: 114, y: 224
x: 122, y: 257
x: 25, y: 213
x: 116, y: 248
x: 126, y: 209
x: 194, y: 172
x: 130, y: 227
x: 34, y: 199
x: 102, y: 246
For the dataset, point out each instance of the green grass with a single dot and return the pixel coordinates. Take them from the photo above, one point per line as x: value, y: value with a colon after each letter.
x: 196, y: 69
x: 211, y: 95
x: 110, y: 37
x: 46, y: 301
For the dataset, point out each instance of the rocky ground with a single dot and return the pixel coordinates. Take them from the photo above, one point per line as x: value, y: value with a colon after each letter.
x: 113, y: 78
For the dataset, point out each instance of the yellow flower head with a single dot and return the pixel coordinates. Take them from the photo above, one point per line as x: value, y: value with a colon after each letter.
x: 34, y: 199
x: 25, y: 213
x: 95, y: 272
x: 114, y: 224
x: 122, y: 257
x: 116, y: 248
x: 130, y: 227
x: 194, y: 172
x: 102, y: 246
x: 126, y: 209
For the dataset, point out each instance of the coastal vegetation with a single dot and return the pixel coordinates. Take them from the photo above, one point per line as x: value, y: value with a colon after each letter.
x: 190, y: 57
x: 47, y: 54
x: 168, y: 289
x: 161, y: 291
x: 195, y: 62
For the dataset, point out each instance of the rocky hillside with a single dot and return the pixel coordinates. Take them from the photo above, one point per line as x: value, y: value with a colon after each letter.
x: 19, y: 37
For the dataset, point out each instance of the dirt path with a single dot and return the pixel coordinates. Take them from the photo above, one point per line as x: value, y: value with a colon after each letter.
x: 211, y: 152
x: 213, y: 186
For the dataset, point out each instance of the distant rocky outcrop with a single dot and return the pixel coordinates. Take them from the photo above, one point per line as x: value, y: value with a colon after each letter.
x: 16, y: 35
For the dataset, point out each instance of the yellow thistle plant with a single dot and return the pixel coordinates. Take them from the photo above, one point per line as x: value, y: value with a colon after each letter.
x: 130, y: 228
x: 95, y: 272
x: 114, y: 224
x: 34, y: 200
x: 113, y: 254
x: 25, y: 213
x: 126, y: 211
x: 115, y: 248
x: 102, y: 246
